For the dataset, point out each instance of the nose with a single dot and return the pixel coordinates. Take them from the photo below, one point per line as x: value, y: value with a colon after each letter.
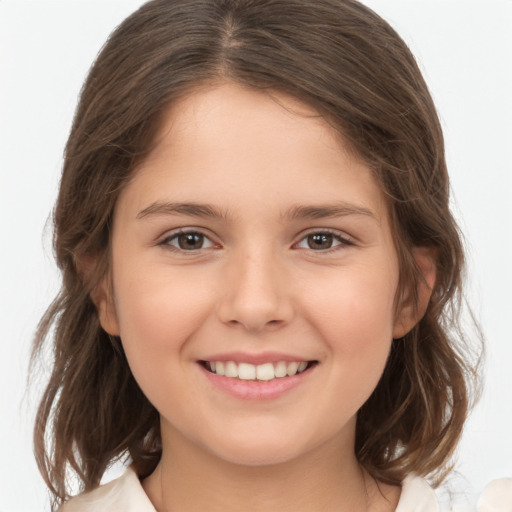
x: 256, y: 293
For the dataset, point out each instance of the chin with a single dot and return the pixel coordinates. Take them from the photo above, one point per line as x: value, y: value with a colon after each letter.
x: 259, y: 450
x: 257, y: 457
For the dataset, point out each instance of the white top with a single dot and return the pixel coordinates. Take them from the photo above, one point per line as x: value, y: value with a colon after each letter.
x: 126, y: 494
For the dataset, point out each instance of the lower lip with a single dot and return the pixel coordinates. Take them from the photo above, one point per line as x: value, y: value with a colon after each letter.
x: 255, y: 389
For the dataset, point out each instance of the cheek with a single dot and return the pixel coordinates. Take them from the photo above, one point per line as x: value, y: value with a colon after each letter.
x: 157, y: 314
x: 357, y: 302
x: 354, y: 315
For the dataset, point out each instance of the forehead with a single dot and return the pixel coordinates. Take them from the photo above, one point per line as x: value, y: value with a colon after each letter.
x: 229, y: 141
x: 207, y: 115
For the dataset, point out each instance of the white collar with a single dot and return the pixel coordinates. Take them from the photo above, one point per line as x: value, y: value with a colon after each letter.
x: 417, y: 496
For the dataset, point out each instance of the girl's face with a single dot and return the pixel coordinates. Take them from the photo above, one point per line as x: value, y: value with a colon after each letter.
x: 251, y: 242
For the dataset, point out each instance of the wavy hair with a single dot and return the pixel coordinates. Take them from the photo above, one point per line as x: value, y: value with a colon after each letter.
x: 346, y: 62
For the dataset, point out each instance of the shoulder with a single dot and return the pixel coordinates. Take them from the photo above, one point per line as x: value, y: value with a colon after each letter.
x: 418, y: 496
x: 497, y: 496
x: 125, y: 493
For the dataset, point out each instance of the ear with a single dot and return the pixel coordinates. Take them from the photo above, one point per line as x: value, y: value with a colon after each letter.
x: 410, y: 312
x: 104, y: 302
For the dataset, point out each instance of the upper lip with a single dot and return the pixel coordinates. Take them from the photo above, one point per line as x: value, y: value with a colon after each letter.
x: 259, y: 358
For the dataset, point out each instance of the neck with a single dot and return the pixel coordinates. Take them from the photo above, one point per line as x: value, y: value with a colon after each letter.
x: 189, y: 478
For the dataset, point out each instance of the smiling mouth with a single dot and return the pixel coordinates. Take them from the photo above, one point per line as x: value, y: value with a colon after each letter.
x: 260, y: 372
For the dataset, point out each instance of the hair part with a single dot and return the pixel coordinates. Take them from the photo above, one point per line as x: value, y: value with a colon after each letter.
x: 343, y: 60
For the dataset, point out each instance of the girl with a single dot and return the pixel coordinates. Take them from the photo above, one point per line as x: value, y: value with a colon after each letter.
x: 260, y: 269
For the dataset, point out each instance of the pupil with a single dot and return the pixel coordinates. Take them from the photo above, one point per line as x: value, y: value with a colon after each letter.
x: 190, y: 241
x: 320, y: 241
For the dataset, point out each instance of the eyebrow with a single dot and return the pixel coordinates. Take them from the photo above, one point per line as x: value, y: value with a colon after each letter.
x: 322, y: 211
x: 339, y: 209
x: 190, y: 208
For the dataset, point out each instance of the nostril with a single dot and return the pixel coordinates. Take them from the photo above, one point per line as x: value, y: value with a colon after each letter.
x: 255, y: 325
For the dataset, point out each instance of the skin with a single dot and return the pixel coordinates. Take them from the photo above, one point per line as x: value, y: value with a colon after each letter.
x: 255, y: 285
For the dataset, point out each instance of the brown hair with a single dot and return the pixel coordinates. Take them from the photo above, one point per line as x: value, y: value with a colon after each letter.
x: 346, y: 62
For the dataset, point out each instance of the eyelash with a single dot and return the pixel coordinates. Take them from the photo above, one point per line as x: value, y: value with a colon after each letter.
x: 166, y: 242
x: 343, y: 241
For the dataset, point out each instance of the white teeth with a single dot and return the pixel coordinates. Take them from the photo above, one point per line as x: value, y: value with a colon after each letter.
x: 231, y: 369
x: 292, y: 368
x: 246, y: 371
x: 263, y: 372
x: 280, y: 370
x: 219, y: 368
x: 302, y: 366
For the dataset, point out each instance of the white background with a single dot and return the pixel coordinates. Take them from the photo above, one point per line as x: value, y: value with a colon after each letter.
x: 46, y: 47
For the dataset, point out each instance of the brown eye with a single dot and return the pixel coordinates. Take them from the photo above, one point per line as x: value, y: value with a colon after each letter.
x: 323, y: 241
x: 320, y: 241
x: 188, y: 241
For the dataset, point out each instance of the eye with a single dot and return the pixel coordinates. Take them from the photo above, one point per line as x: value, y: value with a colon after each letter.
x: 188, y: 241
x: 322, y: 241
